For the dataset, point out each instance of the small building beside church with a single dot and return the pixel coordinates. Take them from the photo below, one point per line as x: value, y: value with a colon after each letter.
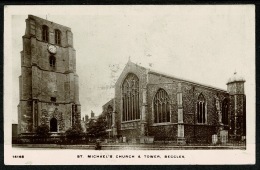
x: 148, y: 103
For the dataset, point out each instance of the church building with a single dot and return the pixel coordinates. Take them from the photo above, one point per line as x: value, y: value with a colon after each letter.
x: 49, y: 88
x: 148, y: 103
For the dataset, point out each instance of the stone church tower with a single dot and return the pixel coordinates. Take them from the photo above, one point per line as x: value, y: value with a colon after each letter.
x: 49, y: 89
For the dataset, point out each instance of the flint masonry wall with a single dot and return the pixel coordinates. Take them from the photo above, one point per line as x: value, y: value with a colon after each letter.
x: 162, y: 131
x: 190, y: 92
x: 192, y: 129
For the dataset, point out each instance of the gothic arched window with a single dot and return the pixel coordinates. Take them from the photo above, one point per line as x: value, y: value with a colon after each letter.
x: 45, y: 33
x: 225, y: 111
x: 57, y: 37
x: 130, y: 97
x: 52, y: 60
x: 109, y: 117
x: 161, y: 107
x: 201, y: 109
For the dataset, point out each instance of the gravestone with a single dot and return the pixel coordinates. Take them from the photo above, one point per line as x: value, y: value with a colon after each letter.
x: 223, y: 136
x: 214, y: 139
x: 124, y: 139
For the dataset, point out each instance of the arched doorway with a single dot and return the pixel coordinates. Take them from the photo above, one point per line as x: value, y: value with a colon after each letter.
x: 53, y: 125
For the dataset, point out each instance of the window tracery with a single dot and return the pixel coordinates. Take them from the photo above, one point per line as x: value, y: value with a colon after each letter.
x: 201, y: 109
x: 161, y: 106
x: 130, y: 97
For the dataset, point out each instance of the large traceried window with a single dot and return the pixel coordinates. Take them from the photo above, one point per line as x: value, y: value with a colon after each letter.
x: 109, y: 117
x: 225, y: 111
x: 45, y: 33
x: 161, y: 107
x: 130, y: 97
x: 201, y: 109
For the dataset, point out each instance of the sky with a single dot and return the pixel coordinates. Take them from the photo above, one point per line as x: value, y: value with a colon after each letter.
x: 206, y: 44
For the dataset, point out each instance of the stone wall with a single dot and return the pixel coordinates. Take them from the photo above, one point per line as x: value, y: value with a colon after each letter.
x: 109, y: 103
x: 199, y: 133
x: 236, y: 88
x: 25, y: 124
x: 45, y: 111
x: 34, y: 28
x: 163, y: 132
x: 51, y: 84
x: 129, y: 133
x: 62, y: 112
x: 190, y: 92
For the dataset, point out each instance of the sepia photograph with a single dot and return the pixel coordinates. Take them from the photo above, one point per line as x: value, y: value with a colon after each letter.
x: 113, y: 85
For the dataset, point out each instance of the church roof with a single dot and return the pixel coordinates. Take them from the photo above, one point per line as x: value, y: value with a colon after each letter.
x: 178, y: 78
x: 235, y: 78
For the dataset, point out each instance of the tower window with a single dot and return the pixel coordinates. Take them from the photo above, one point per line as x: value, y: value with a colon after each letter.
x: 130, y: 97
x: 52, y: 62
x: 161, y: 107
x: 201, y: 109
x: 53, y: 99
x: 58, y: 37
x: 45, y: 33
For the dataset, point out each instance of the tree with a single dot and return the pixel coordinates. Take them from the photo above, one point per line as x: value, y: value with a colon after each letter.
x: 97, y: 129
x: 42, y: 132
x: 74, y: 133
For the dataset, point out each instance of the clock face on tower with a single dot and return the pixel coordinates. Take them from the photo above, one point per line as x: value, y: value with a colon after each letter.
x: 52, y: 49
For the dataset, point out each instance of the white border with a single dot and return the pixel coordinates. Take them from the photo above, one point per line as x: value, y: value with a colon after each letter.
x: 69, y: 157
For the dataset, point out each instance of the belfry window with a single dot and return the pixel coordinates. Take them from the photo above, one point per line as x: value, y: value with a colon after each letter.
x: 130, y: 98
x: 225, y: 111
x: 161, y: 107
x: 201, y: 109
x: 45, y: 33
x: 57, y: 37
x: 109, y: 117
x: 52, y: 62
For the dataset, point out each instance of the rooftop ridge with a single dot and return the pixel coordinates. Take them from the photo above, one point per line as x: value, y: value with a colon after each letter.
x: 36, y: 17
x: 179, y: 78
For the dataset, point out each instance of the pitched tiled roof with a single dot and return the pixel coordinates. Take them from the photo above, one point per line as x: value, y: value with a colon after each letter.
x: 178, y: 78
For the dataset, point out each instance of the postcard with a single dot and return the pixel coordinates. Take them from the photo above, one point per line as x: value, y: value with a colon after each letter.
x: 129, y: 85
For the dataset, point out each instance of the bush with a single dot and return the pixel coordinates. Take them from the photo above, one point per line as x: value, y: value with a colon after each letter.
x: 42, y: 131
x: 74, y: 134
